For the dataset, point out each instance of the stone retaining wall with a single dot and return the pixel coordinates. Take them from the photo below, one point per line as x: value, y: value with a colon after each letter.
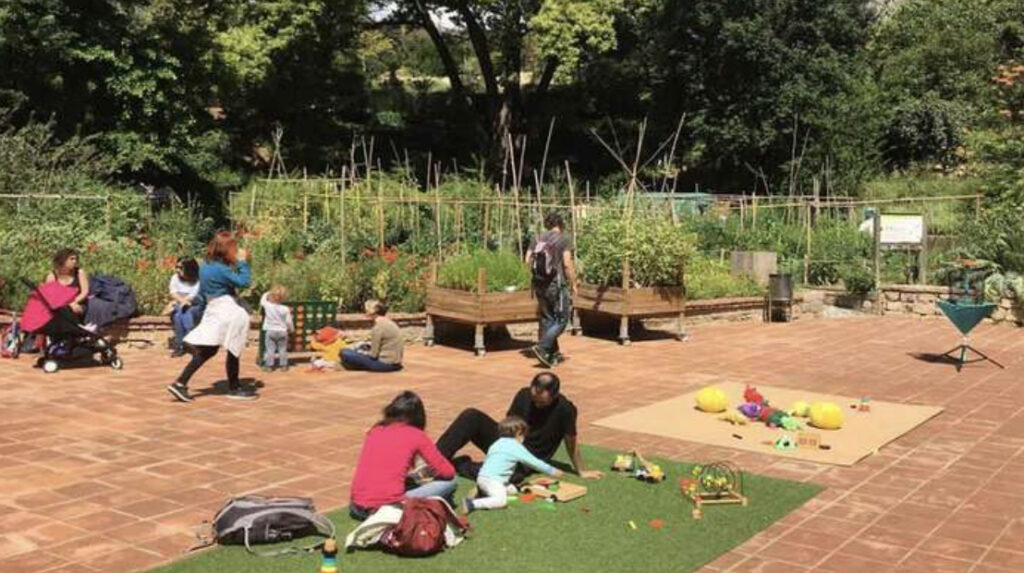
x: 912, y: 300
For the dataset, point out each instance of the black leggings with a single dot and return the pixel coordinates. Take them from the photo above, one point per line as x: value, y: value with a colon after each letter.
x: 200, y: 355
x: 473, y: 426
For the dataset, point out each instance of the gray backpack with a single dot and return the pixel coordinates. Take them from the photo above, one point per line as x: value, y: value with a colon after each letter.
x: 257, y: 520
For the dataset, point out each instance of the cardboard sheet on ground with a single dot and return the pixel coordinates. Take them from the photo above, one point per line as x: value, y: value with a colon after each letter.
x: 862, y: 434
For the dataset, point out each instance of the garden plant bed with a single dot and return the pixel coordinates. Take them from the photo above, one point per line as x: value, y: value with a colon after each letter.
x: 628, y: 304
x: 592, y: 533
x: 478, y: 308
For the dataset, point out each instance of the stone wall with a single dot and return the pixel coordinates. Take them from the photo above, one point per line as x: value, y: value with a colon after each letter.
x: 910, y: 300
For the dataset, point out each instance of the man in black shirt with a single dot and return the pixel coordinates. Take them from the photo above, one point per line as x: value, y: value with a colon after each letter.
x: 550, y: 415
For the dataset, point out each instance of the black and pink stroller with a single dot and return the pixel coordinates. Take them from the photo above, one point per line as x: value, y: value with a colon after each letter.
x: 47, y: 313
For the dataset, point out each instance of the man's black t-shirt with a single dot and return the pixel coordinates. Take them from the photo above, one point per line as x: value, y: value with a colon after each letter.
x: 548, y: 426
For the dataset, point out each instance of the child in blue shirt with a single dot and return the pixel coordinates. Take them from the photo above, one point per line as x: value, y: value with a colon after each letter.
x: 501, y: 461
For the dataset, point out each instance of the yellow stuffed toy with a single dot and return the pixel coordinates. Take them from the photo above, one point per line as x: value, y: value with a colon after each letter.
x: 734, y: 418
x: 826, y: 415
x: 800, y: 409
x: 712, y: 400
x: 329, y: 352
x: 329, y: 342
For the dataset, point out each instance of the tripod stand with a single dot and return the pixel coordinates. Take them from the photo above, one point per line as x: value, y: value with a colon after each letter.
x: 962, y: 349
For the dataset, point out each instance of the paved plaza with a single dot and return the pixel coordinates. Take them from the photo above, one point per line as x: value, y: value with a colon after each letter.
x: 101, y: 471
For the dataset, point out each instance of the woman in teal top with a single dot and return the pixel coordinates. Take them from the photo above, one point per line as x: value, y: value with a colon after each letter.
x: 225, y: 323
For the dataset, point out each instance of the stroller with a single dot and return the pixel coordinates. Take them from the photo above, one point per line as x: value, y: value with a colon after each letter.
x: 47, y: 312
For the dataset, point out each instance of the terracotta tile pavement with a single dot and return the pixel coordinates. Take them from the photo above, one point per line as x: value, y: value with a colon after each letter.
x: 101, y: 471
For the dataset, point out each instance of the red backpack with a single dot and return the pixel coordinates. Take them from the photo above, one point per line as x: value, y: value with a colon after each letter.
x: 421, y: 530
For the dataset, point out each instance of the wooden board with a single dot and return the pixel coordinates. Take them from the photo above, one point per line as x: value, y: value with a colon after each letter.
x: 637, y: 302
x: 474, y: 308
x: 565, y: 492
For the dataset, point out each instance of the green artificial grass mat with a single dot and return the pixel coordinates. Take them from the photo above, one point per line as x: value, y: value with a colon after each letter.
x: 589, y: 534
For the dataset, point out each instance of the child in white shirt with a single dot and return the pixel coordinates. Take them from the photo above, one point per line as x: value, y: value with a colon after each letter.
x: 277, y: 323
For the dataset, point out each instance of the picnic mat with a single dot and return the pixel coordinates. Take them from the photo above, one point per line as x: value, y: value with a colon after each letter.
x: 862, y: 434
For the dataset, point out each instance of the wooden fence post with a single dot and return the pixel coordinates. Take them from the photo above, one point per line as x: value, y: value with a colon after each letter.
x: 807, y: 253
x: 922, y: 253
x: 877, y: 240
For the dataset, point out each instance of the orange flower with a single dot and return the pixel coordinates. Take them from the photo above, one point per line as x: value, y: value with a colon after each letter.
x: 169, y: 262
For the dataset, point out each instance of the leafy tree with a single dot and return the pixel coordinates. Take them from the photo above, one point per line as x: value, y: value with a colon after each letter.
x: 501, y: 33
x: 293, y: 64
x: 174, y: 89
x: 766, y: 82
x: 134, y: 73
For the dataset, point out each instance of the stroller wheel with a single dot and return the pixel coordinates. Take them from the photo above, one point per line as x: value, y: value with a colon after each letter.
x: 50, y: 366
x: 116, y: 363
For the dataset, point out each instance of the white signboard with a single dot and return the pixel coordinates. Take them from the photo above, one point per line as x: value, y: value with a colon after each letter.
x: 898, y: 229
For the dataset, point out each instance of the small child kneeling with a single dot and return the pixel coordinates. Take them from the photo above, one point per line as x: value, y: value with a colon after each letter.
x: 500, y: 463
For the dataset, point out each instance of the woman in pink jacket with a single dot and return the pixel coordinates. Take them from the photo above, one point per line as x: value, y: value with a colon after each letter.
x: 390, y: 451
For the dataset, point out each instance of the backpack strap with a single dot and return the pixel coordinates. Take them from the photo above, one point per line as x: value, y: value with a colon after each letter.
x: 324, y: 527
x: 205, y: 537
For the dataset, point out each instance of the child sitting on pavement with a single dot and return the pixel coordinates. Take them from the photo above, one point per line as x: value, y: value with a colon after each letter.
x: 277, y: 323
x: 500, y: 463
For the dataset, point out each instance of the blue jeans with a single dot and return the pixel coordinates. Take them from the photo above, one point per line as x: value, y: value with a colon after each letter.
x: 276, y: 343
x: 184, y: 320
x: 555, y: 306
x: 354, y: 360
x: 437, y: 488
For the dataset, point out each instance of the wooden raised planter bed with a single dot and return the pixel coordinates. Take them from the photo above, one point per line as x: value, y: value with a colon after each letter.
x: 478, y: 308
x: 627, y: 303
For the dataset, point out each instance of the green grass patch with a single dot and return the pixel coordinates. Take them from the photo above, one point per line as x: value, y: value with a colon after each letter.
x: 586, y: 535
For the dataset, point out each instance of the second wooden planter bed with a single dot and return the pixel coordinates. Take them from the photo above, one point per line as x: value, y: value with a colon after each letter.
x: 478, y: 308
x: 631, y: 303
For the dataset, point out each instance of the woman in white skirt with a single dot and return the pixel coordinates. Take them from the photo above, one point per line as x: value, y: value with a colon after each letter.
x: 225, y: 323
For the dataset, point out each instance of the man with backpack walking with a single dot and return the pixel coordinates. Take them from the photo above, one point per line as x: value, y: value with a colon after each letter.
x: 554, y: 276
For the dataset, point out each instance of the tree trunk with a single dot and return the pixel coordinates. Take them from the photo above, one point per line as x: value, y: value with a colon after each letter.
x: 451, y: 68
x: 550, y: 66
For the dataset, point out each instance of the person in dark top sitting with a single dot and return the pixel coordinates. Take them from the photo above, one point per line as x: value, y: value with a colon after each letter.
x: 551, y: 418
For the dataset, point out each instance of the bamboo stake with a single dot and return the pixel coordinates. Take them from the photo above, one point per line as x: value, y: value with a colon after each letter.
x: 743, y: 212
x: 672, y: 153
x: 487, y: 224
x: 430, y: 161
x: 518, y: 221
x: 544, y: 161
x: 305, y: 209
x: 341, y: 215
x: 380, y: 216
x: 807, y: 255
x: 437, y: 218
x: 572, y: 202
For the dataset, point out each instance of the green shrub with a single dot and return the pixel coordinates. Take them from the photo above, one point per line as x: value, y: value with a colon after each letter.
x: 504, y: 270
x: 857, y: 277
x: 708, y: 278
x: 657, y: 249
